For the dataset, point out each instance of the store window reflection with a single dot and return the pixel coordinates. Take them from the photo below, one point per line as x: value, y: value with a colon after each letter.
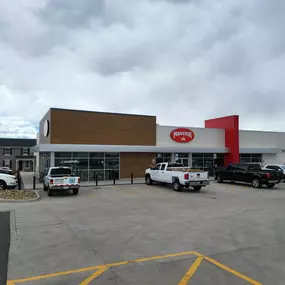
x: 104, y: 166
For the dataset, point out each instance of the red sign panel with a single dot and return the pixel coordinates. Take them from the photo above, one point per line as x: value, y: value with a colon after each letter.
x: 182, y: 135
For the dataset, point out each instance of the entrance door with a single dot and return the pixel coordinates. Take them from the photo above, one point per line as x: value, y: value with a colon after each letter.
x: 184, y: 161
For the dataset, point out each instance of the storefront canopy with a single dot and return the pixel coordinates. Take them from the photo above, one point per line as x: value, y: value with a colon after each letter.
x: 123, y: 148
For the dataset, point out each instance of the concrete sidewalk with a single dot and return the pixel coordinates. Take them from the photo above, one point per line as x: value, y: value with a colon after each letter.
x: 27, y: 179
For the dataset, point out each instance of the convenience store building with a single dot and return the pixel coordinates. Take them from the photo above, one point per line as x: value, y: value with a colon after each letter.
x: 107, y: 143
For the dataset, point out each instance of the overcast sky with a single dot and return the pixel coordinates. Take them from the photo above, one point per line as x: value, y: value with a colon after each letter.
x: 182, y: 60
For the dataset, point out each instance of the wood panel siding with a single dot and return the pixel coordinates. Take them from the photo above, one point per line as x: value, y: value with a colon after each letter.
x: 83, y: 127
x: 43, y: 139
x: 134, y: 162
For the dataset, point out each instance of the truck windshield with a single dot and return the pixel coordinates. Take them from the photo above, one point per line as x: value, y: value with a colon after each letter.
x: 57, y: 172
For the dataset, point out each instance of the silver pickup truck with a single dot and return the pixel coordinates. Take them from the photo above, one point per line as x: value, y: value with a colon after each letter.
x: 60, y: 179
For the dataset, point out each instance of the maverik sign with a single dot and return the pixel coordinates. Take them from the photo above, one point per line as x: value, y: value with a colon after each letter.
x: 182, y: 135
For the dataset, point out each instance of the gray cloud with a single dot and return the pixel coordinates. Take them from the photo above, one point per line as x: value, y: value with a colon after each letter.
x: 183, y: 61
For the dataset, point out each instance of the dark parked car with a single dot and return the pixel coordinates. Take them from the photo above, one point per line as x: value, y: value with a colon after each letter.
x: 249, y: 173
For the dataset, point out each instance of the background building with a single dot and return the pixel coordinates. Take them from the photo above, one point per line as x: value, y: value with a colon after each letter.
x: 110, y: 144
x: 16, y: 153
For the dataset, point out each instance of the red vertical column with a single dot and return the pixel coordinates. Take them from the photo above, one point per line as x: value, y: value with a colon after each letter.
x: 231, y: 126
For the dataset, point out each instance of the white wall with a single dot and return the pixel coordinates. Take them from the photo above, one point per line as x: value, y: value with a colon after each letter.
x: 203, y: 137
x: 278, y: 158
x: 257, y: 139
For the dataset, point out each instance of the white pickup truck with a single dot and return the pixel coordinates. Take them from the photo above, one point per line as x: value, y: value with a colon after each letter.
x: 60, y: 179
x: 8, y: 181
x: 177, y: 175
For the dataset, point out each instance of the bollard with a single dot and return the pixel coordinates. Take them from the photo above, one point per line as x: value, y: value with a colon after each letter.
x: 96, y: 179
x: 19, y: 183
x: 114, y: 178
x: 34, y: 181
x: 132, y: 178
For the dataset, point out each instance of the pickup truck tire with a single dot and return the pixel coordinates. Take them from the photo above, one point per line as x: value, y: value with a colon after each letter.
x: 3, y: 185
x: 45, y: 188
x: 197, y: 188
x: 177, y: 186
x: 219, y: 179
x: 50, y: 192
x: 75, y: 191
x: 270, y: 185
x: 148, y: 180
x: 256, y: 183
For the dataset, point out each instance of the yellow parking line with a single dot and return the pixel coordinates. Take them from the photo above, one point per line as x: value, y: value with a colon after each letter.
x: 191, y: 271
x: 228, y: 269
x: 94, y: 276
x: 102, y: 268
x: 35, y: 278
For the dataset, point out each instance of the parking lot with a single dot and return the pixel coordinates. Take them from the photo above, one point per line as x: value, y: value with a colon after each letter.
x: 138, y: 234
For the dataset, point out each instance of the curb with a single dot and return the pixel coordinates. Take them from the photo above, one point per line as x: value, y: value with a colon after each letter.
x: 22, y: 201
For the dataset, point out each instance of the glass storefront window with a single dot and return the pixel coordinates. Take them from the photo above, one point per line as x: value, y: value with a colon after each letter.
x: 93, y: 173
x: 163, y: 157
x: 250, y: 157
x: 197, y: 162
x: 96, y: 155
x: 63, y: 155
x: 182, y: 155
x: 209, y: 155
x: 96, y: 163
x: 194, y: 155
x: 112, y: 154
x: 112, y: 163
x: 109, y: 174
x: 76, y: 155
x: 83, y: 174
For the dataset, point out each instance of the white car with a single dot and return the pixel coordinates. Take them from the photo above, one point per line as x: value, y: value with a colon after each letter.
x: 8, y: 181
x: 278, y: 167
x: 177, y: 175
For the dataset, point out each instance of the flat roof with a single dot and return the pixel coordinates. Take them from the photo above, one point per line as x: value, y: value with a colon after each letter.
x: 101, y: 112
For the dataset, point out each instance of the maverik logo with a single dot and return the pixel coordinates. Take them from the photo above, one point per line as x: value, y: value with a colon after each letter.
x: 182, y: 135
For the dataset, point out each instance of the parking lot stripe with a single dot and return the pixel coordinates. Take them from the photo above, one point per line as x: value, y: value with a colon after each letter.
x: 191, y: 271
x: 102, y: 268
x: 39, y: 277
x: 94, y: 276
x: 228, y: 269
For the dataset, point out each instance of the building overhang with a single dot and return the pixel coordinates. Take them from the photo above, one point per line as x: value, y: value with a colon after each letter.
x: 123, y: 148
x: 260, y: 150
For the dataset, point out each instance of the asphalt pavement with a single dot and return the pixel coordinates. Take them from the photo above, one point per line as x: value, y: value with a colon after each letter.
x: 4, y: 245
x: 137, y: 234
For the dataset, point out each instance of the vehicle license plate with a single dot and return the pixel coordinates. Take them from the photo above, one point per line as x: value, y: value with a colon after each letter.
x: 65, y: 187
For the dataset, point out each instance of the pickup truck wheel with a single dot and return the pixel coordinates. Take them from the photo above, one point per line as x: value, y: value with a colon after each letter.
x: 45, y: 188
x: 75, y: 191
x: 256, y: 183
x: 3, y: 185
x: 270, y: 185
x: 197, y: 188
x: 148, y: 180
x: 219, y: 179
x: 50, y: 192
x: 177, y: 186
